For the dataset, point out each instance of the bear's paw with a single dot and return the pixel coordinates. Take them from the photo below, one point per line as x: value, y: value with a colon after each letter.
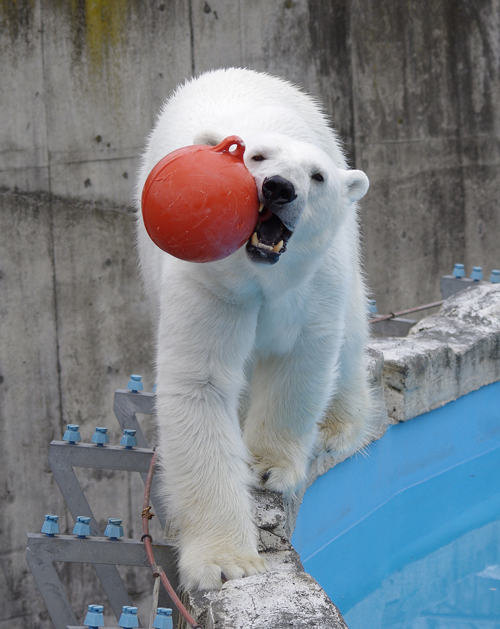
x: 340, y: 437
x: 284, y: 476
x: 210, y: 571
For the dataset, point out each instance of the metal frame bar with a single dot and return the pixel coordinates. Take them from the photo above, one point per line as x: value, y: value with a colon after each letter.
x: 63, y: 457
x: 101, y: 552
x: 127, y: 404
x: 451, y: 285
x: 43, y: 551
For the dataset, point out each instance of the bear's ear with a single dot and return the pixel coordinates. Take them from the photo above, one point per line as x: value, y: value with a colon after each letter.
x: 209, y: 138
x: 356, y: 183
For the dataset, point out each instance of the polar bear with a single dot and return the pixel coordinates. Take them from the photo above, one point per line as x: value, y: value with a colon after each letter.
x: 280, y: 323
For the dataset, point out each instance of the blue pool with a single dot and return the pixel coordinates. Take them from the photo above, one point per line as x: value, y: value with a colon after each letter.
x: 409, y: 537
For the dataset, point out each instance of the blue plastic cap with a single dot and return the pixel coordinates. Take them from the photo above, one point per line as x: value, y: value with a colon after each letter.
x: 128, y: 440
x: 94, y: 617
x: 477, y: 273
x: 82, y: 526
x: 83, y: 518
x: 372, y: 306
x: 72, y: 434
x: 135, y: 385
x: 163, y: 619
x: 50, y: 526
x: 128, y: 617
x: 458, y: 271
x: 100, y: 437
x: 114, y: 529
x: 495, y: 276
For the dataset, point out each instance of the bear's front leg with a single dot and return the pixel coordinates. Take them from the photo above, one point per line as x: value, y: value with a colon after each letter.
x: 202, y: 346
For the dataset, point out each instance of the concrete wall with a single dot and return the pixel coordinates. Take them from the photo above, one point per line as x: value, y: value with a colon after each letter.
x: 413, y: 88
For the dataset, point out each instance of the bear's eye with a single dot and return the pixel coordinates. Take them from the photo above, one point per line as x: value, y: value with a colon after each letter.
x: 258, y: 158
x: 317, y: 177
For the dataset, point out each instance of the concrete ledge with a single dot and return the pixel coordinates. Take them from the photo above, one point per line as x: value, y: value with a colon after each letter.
x: 275, y: 599
x: 282, y: 598
x: 445, y: 356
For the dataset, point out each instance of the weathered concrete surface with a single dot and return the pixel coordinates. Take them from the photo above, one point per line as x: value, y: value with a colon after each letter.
x: 29, y: 399
x: 445, y: 356
x: 274, y: 600
x: 426, y: 126
x: 413, y: 89
x: 80, y: 87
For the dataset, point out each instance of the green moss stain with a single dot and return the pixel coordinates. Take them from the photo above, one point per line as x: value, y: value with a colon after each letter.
x: 97, y: 29
x: 105, y: 22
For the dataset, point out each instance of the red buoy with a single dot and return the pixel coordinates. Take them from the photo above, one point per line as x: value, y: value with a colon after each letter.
x: 200, y: 203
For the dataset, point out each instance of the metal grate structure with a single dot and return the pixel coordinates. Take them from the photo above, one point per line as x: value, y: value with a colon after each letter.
x: 102, y: 552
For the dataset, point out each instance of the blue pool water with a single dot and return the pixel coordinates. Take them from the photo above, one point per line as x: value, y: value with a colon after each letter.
x: 409, y: 537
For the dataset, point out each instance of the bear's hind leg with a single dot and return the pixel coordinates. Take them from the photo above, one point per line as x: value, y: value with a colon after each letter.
x: 346, y: 425
x: 289, y: 395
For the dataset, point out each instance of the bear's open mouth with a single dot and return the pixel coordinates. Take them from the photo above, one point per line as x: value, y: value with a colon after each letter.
x: 269, y: 238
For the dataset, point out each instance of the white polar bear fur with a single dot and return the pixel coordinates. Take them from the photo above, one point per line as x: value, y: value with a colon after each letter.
x: 291, y: 336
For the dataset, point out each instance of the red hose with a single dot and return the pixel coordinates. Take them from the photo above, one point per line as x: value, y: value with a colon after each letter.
x: 147, y: 539
x: 391, y: 315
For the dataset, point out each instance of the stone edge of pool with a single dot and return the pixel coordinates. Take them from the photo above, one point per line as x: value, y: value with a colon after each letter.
x: 445, y: 356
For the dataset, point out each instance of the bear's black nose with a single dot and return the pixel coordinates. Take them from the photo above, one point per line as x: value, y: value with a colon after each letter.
x: 278, y: 191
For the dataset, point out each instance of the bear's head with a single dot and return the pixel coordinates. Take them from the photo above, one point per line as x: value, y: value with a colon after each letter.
x: 304, y: 196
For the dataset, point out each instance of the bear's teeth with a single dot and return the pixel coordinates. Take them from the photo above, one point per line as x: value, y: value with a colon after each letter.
x: 256, y: 243
x: 261, y: 207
